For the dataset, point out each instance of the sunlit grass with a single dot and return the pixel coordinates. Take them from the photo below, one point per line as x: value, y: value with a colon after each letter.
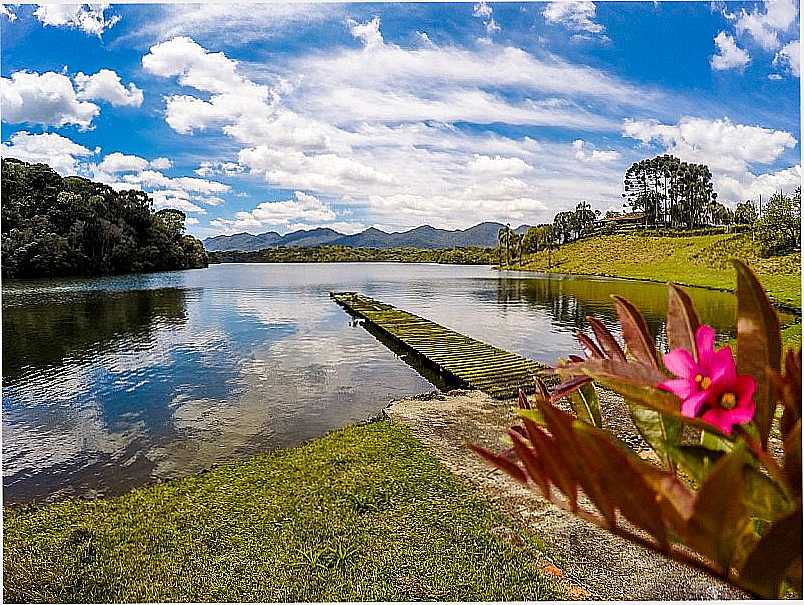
x: 695, y: 261
x: 365, y: 513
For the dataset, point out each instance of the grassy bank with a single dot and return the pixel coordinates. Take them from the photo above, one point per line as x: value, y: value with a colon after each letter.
x: 695, y: 261
x: 365, y: 513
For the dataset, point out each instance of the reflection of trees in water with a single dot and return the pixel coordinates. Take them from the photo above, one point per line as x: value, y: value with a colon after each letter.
x: 570, y: 301
x: 43, y: 333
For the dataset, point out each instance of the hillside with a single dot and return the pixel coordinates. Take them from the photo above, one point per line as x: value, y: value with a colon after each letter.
x: 483, y: 235
x: 695, y: 260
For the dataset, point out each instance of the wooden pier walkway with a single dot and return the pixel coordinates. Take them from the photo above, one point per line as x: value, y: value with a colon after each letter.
x: 472, y: 363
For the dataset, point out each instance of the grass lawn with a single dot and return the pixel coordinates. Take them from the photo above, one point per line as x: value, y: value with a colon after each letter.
x: 694, y: 261
x: 364, y: 513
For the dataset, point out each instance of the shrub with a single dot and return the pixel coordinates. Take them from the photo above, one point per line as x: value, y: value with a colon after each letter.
x: 779, y: 230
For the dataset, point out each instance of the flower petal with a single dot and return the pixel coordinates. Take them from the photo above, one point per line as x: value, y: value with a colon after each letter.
x: 745, y: 386
x: 723, y: 371
x: 705, y: 343
x: 680, y: 387
x: 692, y: 405
x: 681, y: 363
x: 720, y: 418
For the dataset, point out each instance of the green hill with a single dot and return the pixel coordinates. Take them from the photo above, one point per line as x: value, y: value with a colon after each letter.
x: 694, y: 260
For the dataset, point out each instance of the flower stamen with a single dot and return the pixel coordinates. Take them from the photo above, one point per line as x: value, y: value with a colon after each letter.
x: 728, y: 401
x: 706, y: 382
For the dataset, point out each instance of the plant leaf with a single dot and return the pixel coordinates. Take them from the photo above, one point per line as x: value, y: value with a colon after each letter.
x: 776, y: 555
x: 590, y: 348
x: 759, y: 345
x: 661, y: 432
x: 792, y: 458
x: 501, y: 462
x: 682, y: 321
x: 719, y: 515
x: 635, y: 333
x: 586, y: 405
x: 608, y: 343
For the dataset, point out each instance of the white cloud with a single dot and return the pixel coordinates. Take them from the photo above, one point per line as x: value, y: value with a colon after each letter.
x: 106, y: 86
x: 303, y: 208
x: 8, y: 13
x: 218, y: 22
x: 498, y: 166
x: 485, y: 12
x: 59, y: 152
x: 210, y: 168
x: 48, y: 99
x: 596, y: 155
x: 766, y: 23
x: 368, y: 33
x: 190, y: 221
x: 161, y: 163
x: 748, y: 186
x: 174, y: 199
x: 211, y: 200
x: 575, y: 16
x: 721, y: 144
x: 154, y: 178
x: 116, y: 162
x: 790, y: 55
x: 89, y: 18
x: 729, y: 55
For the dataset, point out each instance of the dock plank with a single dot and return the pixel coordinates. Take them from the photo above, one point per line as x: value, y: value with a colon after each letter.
x: 475, y: 364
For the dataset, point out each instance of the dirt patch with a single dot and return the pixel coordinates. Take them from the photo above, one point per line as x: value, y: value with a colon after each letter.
x: 586, y: 561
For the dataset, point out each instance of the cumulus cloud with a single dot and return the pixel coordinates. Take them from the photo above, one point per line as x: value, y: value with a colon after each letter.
x: 722, y: 144
x: 107, y: 86
x: 89, y: 18
x: 117, y: 162
x: 729, y: 55
x: 790, y: 56
x: 176, y: 199
x: 368, y: 33
x: 302, y: 209
x: 596, y: 155
x: 729, y: 149
x: 48, y: 99
x: 161, y: 163
x: 765, y: 22
x: 575, y: 16
x: 60, y: 153
x: 210, y: 168
x: 498, y: 166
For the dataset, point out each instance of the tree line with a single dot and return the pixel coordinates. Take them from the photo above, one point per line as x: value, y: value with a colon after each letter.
x: 347, y: 254
x: 664, y: 193
x: 54, y: 226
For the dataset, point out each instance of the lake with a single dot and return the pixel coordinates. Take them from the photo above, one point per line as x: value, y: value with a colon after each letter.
x: 109, y: 383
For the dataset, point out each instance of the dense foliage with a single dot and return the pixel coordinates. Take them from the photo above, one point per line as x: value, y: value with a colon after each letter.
x: 779, y: 230
x: 54, y: 226
x: 720, y: 487
x: 346, y: 254
x: 675, y: 193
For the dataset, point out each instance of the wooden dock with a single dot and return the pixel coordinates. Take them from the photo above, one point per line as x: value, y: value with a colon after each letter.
x: 469, y: 362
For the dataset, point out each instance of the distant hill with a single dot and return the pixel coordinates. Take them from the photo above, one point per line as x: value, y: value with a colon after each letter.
x: 426, y: 237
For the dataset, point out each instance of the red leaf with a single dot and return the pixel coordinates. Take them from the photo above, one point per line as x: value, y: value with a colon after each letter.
x: 500, y: 462
x: 759, y: 344
x: 682, y: 321
x: 608, y: 343
x: 635, y: 333
x: 590, y: 348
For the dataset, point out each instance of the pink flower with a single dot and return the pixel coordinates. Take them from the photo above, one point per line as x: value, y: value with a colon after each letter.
x: 710, y: 387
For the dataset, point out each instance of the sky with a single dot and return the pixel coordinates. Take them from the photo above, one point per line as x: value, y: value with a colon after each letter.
x: 278, y: 117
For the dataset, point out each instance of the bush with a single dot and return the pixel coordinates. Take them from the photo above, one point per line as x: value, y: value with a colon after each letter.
x: 779, y: 230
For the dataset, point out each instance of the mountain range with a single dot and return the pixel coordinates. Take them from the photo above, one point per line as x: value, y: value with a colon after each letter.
x: 482, y: 235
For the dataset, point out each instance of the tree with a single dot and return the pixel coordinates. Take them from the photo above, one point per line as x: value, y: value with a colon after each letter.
x: 54, y: 226
x: 779, y: 230
x: 745, y: 213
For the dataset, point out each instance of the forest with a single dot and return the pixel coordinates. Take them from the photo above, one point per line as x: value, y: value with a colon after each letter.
x: 55, y: 226
x: 346, y: 254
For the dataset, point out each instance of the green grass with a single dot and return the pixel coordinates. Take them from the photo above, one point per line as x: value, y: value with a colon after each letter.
x: 694, y: 261
x: 365, y: 513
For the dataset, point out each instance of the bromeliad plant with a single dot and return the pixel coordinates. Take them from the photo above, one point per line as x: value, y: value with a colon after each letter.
x: 726, y: 496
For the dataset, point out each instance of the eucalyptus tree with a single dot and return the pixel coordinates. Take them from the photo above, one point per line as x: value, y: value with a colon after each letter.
x: 746, y: 213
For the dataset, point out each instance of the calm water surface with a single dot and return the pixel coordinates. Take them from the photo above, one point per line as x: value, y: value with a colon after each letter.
x: 113, y: 382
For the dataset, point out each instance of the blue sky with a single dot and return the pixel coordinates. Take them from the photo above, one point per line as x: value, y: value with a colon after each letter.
x: 273, y: 117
